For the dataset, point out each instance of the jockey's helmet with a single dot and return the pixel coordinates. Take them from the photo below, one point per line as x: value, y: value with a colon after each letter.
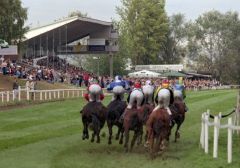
x: 148, y: 82
x: 137, y: 85
x: 118, y: 78
x: 165, y: 84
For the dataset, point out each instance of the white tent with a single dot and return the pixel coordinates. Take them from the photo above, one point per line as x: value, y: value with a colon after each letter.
x: 144, y: 74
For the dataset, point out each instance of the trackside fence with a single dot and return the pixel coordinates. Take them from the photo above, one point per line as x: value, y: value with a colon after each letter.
x: 232, y: 126
x: 23, y: 94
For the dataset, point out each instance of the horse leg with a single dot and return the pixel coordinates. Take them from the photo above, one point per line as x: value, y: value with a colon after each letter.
x: 177, y: 134
x: 98, y: 135
x: 84, y: 131
x: 118, y: 133
x: 126, y: 133
x: 110, y: 132
x: 121, y: 138
x: 93, y: 136
x: 140, y: 136
x: 157, y: 145
x: 134, y: 139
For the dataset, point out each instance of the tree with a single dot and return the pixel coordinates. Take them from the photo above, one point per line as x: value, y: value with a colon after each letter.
x: 174, y: 47
x: 77, y: 13
x: 12, y: 20
x: 91, y: 64
x: 213, y: 43
x: 143, y: 28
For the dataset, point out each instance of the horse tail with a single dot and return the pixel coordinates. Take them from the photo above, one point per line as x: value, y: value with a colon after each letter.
x: 146, y: 99
x: 118, y: 97
x: 95, y: 122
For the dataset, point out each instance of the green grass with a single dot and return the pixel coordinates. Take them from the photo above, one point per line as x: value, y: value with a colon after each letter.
x: 49, y: 136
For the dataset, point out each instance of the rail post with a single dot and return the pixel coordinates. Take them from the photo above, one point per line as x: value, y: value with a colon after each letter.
x: 58, y: 94
x: 19, y: 93
x: 229, y: 149
x: 202, y: 131
x: 215, y: 138
x: 40, y: 95
x: 206, y: 132
x: 8, y: 96
x: 28, y: 97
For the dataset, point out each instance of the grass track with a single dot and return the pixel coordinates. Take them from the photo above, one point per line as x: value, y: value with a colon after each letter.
x: 49, y: 136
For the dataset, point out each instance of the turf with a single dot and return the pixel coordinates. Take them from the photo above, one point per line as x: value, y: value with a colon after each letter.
x: 49, y: 136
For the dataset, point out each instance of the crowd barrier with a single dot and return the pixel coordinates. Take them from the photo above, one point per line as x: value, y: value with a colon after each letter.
x: 23, y: 94
x: 232, y: 126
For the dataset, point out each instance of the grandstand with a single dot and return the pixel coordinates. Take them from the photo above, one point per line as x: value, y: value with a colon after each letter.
x: 71, y: 36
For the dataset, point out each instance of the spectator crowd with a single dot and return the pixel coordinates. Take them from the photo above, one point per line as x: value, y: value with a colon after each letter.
x: 55, y: 69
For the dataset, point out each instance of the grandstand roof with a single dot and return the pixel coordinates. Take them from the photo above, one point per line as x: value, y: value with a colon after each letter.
x: 71, y: 22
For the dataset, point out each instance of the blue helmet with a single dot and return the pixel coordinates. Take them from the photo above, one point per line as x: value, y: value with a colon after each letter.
x: 118, y: 78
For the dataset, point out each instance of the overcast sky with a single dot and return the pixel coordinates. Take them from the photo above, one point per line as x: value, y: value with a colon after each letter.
x: 41, y: 12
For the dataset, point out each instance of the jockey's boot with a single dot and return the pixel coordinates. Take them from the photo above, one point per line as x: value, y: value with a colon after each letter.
x: 169, y: 111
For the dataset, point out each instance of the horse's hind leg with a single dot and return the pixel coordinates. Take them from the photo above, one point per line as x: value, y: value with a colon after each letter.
x: 98, y: 136
x: 93, y: 136
x: 121, y: 138
x: 134, y: 138
x: 110, y: 132
x: 177, y: 134
x: 126, y: 133
x: 85, y: 130
x: 140, y: 135
x: 118, y: 133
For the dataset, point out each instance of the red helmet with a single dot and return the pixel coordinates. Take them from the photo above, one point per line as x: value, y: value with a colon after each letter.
x: 137, y: 85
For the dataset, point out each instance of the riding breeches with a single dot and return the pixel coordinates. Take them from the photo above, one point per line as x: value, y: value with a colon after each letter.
x: 178, y: 94
x: 163, y: 100
x: 148, y: 91
x: 118, y: 91
x: 135, y: 96
x: 95, y: 92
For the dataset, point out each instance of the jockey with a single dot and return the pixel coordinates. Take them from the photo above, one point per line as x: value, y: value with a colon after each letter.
x: 135, y: 95
x: 179, y: 91
x: 118, y: 88
x: 148, y: 90
x: 95, y: 92
x: 178, y: 86
x: 167, y: 96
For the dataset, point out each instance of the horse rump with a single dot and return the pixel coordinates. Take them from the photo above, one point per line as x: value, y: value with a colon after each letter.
x: 93, y: 117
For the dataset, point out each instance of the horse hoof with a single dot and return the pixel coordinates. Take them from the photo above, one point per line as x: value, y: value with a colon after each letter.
x: 98, y: 141
x: 109, y: 142
x: 120, y: 142
x: 92, y: 140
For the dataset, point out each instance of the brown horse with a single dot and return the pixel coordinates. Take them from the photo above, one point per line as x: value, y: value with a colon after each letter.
x: 114, y: 112
x: 178, y: 115
x: 158, y: 128
x: 134, y: 119
x: 93, y: 115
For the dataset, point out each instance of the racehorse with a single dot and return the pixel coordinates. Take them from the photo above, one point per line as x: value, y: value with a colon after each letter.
x: 178, y: 115
x: 134, y: 119
x: 158, y: 129
x: 114, y: 111
x: 93, y: 115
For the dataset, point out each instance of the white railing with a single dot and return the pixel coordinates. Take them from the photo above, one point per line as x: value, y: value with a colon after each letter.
x: 23, y: 94
x: 199, y: 88
x: 230, y: 126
